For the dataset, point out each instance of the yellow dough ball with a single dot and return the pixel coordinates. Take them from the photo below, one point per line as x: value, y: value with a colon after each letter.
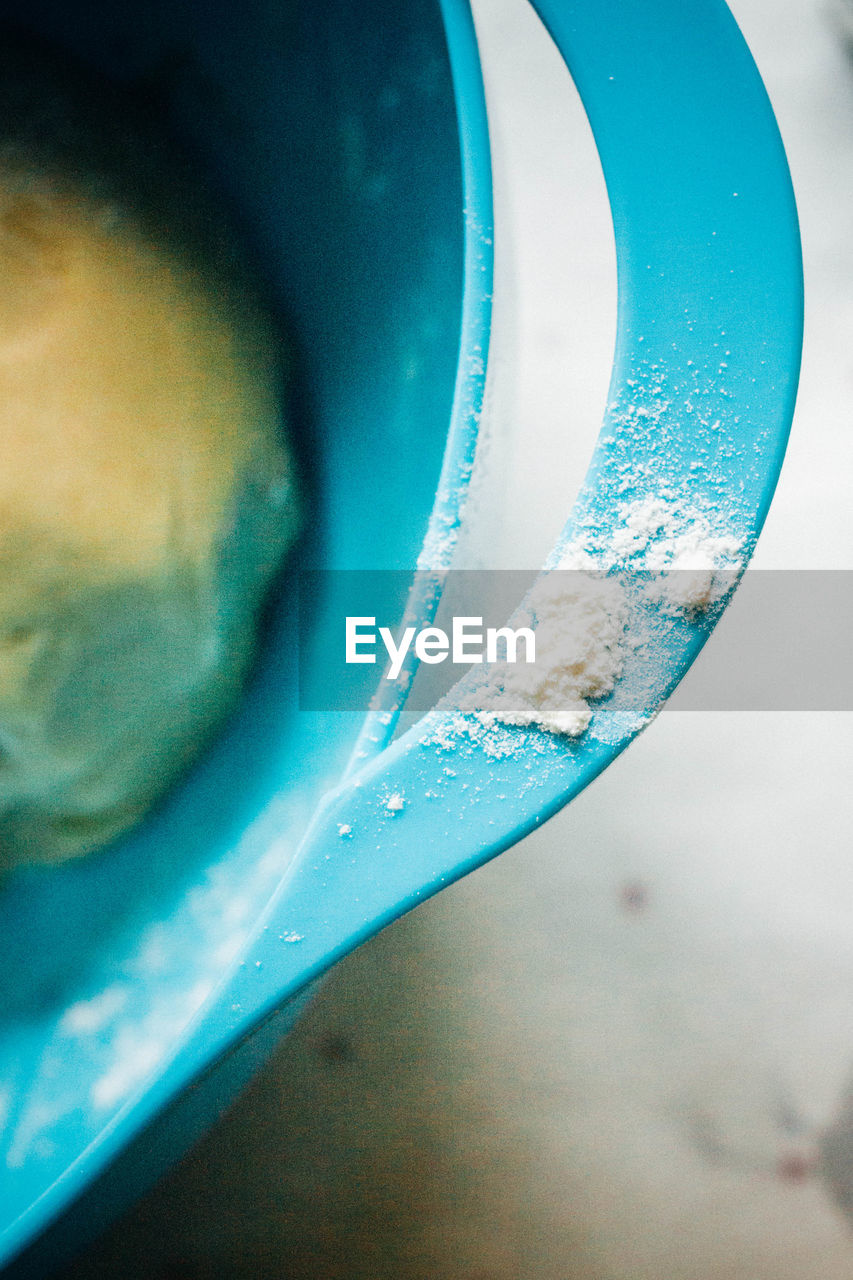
x: 147, y: 496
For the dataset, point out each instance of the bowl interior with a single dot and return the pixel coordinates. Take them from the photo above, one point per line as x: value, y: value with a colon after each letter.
x: 331, y: 129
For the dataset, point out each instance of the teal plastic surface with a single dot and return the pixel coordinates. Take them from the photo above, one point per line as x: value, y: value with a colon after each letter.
x: 215, y: 918
x: 334, y: 132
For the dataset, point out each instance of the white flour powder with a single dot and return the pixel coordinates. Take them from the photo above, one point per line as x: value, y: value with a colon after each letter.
x: 584, y: 621
x: 689, y: 548
x: 579, y: 622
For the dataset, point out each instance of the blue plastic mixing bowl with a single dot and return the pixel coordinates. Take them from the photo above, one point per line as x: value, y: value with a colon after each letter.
x: 333, y: 131
x: 139, y: 989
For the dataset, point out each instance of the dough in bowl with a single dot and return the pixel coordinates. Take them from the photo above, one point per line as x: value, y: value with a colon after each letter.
x: 147, y: 490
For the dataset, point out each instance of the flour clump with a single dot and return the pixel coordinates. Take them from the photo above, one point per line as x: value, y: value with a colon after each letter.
x: 579, y: 623
x: 613, y: 590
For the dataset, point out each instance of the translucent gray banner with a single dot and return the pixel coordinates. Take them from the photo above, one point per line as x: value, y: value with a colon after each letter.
x: 782, y: 644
